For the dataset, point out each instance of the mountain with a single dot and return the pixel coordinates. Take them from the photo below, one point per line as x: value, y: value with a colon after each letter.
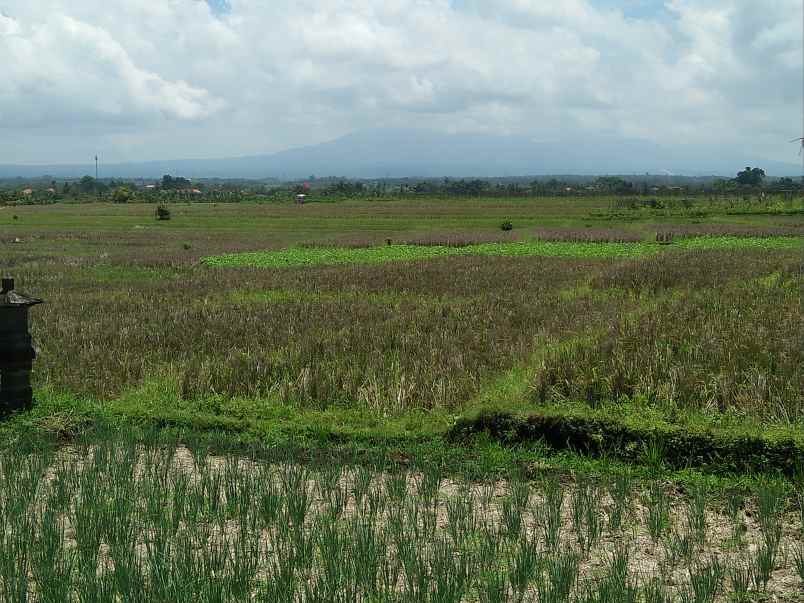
x: 382, y: 153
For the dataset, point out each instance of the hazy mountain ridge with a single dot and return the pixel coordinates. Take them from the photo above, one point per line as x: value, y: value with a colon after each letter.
x: 416, y: 153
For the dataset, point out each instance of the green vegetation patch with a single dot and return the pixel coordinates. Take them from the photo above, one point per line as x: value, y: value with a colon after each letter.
x: 315, y: 256
x: 632, y: 442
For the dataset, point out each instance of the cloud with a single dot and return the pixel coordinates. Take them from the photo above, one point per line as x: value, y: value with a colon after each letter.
x: 193, y: 78
x: 66, y: 70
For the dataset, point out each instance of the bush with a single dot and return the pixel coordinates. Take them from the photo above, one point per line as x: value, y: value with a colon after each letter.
x: 122, y: 195
x: 162, y: 213
x: 506, y: 226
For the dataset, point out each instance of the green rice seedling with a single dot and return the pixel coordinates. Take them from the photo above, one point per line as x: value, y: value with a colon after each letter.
x: 245, y: 561
x: 679, y: 547
x: 180, y: 487
x: 88, y: 532
x: 210, y: 486
x: 238, y: 487
x: 798, y: 561
x: 800, y: 503
x: 450, y: 573
x: 619, y: 489
x: 548, y: 515
x: 653, y: 455
x: 396, y: 485
x: 411, y: 514
x: 657, y: 511
x: 771, y: 499
x: 494, y: 589
x: 461, y: 519
x: 586, y: 515
x: 361, y: 483
x: 280, y: 586
x: 429, y: 520
x: 489, y: 546
x: 416, y: 574
x: 740, y: 579
x: 705, y: 581
x: 63, y: 484
x: 156, y: 501
x: 735, y: 504
x: 696, y: 512
x: 561, y: 575
x: 331, y: 546
x: 390, y: 573
x: 297, y: 494
x: 523, y: 565
x: 97, y: 590
x: 51, y: 565
x: 366, y: 553
x: 520, y: 493
x: 327, y: 479
x: 268, y: 498
x: 614, y: 585
x: 127, y: 574
x: 763, y: 564
x: 302, y: 545
x: 375, y: 500
x: 337, y: 499
x: 117, y: 516
x: 14, y: 569
x: 510, y: 518
x: 487, y: 493
x: 655, y: 591
x: 429, y: 486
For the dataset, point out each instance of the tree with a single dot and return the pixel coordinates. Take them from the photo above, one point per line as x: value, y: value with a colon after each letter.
x: 87, y: 184
x: 122, y: 194
x: 175, y: 183
x: 751, y: 176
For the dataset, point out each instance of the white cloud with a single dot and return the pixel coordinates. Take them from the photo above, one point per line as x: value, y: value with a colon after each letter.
x: 144, y: 79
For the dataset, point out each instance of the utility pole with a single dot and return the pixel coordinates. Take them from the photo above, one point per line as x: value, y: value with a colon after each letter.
x: 97, y: 188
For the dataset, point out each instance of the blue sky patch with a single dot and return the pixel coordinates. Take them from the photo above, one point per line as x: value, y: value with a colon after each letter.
x: 220, y: 7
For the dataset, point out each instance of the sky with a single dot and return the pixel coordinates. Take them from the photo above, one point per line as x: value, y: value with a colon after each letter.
x: 134, y: 80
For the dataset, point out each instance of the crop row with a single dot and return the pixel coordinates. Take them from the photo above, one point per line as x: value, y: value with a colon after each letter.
x: 116, y: 519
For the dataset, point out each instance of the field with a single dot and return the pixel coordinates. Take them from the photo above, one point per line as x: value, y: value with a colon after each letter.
x: 604, y: 403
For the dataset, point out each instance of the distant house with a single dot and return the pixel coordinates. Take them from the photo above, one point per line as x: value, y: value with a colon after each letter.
x: 300, y: 199
x: 27, y: 191
x: 51, y: 190
x: 195, y: 191
x: 150, y: 186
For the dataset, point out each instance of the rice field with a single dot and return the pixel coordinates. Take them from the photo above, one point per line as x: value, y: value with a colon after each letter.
x: 283, y: 390
x: 122, y: 519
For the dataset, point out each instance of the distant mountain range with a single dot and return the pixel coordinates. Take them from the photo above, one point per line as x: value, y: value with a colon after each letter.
x: 397, y: 153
